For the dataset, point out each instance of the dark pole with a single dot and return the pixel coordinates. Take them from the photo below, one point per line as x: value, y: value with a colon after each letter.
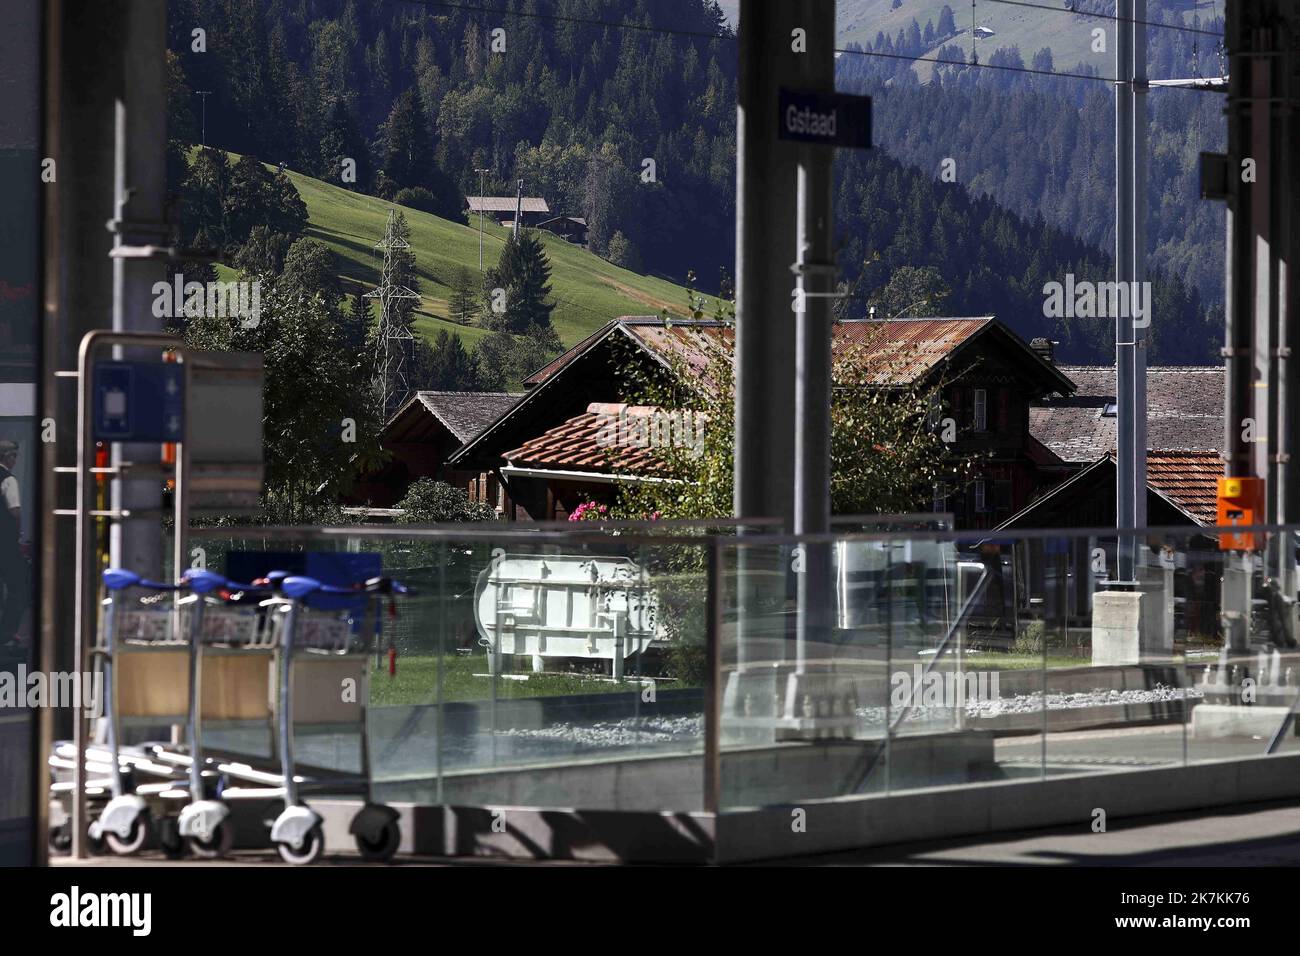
x: 766, y: 227
x: 815, y: 271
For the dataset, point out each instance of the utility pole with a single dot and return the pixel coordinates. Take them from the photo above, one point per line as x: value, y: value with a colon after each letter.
x: 814, y: 270
x: 766, y: 226
x: 481, y: 174
x: 519, y: 206
x: 1130, y: 263
x: 203, y: 125
x: 784, y: 219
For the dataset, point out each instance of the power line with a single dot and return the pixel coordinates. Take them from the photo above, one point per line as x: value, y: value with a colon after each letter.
x: 700, y: 34
x: 1105, y: 16
x: 471, y: 8
x: 1095, y: 77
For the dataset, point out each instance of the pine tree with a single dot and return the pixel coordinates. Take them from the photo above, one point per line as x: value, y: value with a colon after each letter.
x: 356, y: 325
x: 408, y: 156
x: 464, y: 304
x: 523, y: 273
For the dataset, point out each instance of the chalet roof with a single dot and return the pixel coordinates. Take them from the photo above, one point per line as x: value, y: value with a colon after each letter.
x: 898, y: 351
x: 463, y: 414
x: 903, y: 350
x: 599, y: 440
x: 1184, y: 412
x: 1188, y: 481
x: 506, y: 204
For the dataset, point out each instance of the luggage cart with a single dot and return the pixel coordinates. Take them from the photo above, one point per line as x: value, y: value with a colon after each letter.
x: 321, y: 627
x: 228, y: 627
x: 137, y: 643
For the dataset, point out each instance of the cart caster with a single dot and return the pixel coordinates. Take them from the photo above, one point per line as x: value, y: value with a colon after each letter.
x: 125, y: 846
x: 61, y: 838
x: 169, y: 838
x: 313, y: 845
x: 218, y: 845
x: 383, y: 847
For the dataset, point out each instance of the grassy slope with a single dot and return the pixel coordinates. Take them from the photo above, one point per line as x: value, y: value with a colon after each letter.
x: 588, y: 290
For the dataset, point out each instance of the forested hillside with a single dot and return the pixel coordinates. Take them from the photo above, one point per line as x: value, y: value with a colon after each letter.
x: 1040, y: 144
x: 623, y: 112
x: 423, y: 95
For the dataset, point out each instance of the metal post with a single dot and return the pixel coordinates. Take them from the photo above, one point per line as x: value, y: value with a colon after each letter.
x: 1127, y: 452
x: 140, y: 238
x: 1139, y: 164
x: 83, y: 70
x: 203, y: 126
x: 766, y: 244
x: 766, y: 223
x: 519, y: 206
x: 480, y: 172
x: 815, y: 273
x: 712, y: 782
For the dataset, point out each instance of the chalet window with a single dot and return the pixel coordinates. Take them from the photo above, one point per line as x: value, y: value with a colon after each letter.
x: 981, y: 503
x: 980, y: 419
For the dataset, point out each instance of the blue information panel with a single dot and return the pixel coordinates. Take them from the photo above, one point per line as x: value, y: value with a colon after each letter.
x: 832, y: 119
x: 139, y: 401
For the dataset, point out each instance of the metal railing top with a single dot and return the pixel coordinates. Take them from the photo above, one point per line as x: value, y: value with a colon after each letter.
x: 768, y: 533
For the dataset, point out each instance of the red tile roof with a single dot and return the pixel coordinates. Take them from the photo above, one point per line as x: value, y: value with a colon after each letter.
x: 1188, y: 479
x: 592, y: 442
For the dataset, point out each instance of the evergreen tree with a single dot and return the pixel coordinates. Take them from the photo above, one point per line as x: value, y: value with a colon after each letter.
x: 464, y: 304
x: 947, y: 22
x: 356, y: 327
x: 444, y: 366
x: 523, y: 273
x: 408, y: 145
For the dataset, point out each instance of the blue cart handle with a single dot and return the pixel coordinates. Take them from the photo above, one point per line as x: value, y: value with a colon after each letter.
x: 119, y: 579
x: 299, y: 587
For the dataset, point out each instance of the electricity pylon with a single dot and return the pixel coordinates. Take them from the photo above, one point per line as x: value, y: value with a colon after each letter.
x: 393, y: 336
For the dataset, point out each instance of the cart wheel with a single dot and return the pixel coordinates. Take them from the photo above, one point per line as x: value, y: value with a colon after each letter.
x: 96, y: 845
x: 312, y: 848
x: 223, y: 838
x: 61, y: 838
x: 170, y: 839
x: 134, y: 840
x: 382, y: 849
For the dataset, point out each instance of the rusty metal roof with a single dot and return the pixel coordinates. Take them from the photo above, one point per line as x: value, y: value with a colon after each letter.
x: 897, y: 351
